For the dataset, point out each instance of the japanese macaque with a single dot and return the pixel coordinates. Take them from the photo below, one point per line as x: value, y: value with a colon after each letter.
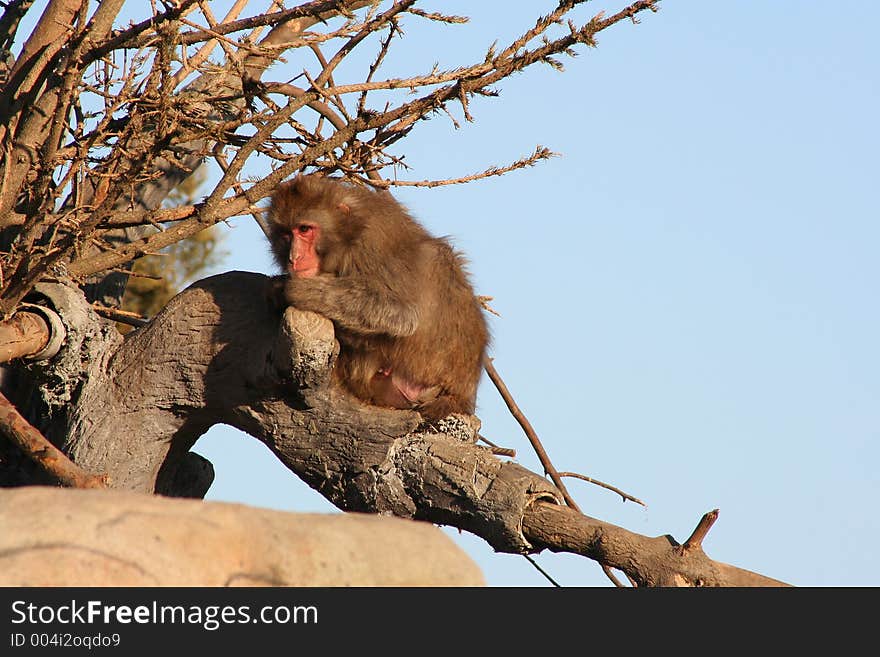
x: 411, y: 331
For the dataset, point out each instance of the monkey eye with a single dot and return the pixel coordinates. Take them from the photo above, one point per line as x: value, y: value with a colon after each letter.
x: 305, y: 229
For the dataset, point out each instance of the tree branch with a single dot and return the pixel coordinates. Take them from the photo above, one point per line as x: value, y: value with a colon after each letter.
x: 22, y: 335
x: 219, y: 353
x: 44, y: 454
x: 657, y: 561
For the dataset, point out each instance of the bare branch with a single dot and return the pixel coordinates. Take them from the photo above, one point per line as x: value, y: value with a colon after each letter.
x: 32, y: 443
x: 602, y: 484
x: 529, y: 431
x: 649, y: 561
x: 24, y: 334
x: 440, y: 18
x: 540, y: 154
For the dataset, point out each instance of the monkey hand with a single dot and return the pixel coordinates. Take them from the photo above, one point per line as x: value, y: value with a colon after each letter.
x: 354, y: 304
x: 440, y: 407
x: 304, y: 293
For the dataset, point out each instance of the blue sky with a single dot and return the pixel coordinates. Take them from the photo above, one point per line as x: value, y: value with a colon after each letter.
x: 688, y: 294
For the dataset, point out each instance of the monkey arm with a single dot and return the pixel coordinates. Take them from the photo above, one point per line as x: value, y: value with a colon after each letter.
x: 354, y: 304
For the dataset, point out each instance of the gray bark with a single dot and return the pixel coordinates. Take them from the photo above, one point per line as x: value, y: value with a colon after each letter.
x: 220, y: 352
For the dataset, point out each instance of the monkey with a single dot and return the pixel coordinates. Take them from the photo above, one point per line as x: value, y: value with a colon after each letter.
x: 411, y: 331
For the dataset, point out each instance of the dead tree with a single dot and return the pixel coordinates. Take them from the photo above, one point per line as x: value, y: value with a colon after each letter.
x: 99, y: 123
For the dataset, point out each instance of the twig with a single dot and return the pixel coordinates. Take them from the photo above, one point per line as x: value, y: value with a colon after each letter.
x: 542, y: 571
x: 442, y: 18
x: 43, y: 453
x: 540, y: 153
x: 498, y: 451
x: 385, y: 44
x: 529, y: 431
x: 296, y: 92
x: 610, y: 575
x: 123, y: 316
x: 220, y: 158
x: 192, y: 63
x: 138, y: 35
x: 625, y: 496
x: 538, y: 447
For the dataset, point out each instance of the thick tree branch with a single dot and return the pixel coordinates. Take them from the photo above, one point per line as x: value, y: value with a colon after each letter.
x: 657, y: 561
x: 22, y: 335
x: 220, y: 353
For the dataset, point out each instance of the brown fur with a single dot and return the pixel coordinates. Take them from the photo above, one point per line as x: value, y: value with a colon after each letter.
x: 412, y: 333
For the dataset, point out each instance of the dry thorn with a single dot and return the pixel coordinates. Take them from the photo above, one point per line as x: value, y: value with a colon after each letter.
x: 484, y: 303
x: 455, y: 123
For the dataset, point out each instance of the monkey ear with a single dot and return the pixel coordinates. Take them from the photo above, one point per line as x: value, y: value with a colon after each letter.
x: 344, y: 208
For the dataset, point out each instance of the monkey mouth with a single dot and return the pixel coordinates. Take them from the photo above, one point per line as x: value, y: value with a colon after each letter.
x: 303, y: 271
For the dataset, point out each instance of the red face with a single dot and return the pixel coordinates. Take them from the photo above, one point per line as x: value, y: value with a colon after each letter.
x: 303, y: 259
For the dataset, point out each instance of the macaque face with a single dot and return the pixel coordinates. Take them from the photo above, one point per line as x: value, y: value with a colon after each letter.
x: 308, y: 241
x: 303, y: 260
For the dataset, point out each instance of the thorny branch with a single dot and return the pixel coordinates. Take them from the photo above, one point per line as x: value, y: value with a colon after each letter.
x: 124, y: 118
